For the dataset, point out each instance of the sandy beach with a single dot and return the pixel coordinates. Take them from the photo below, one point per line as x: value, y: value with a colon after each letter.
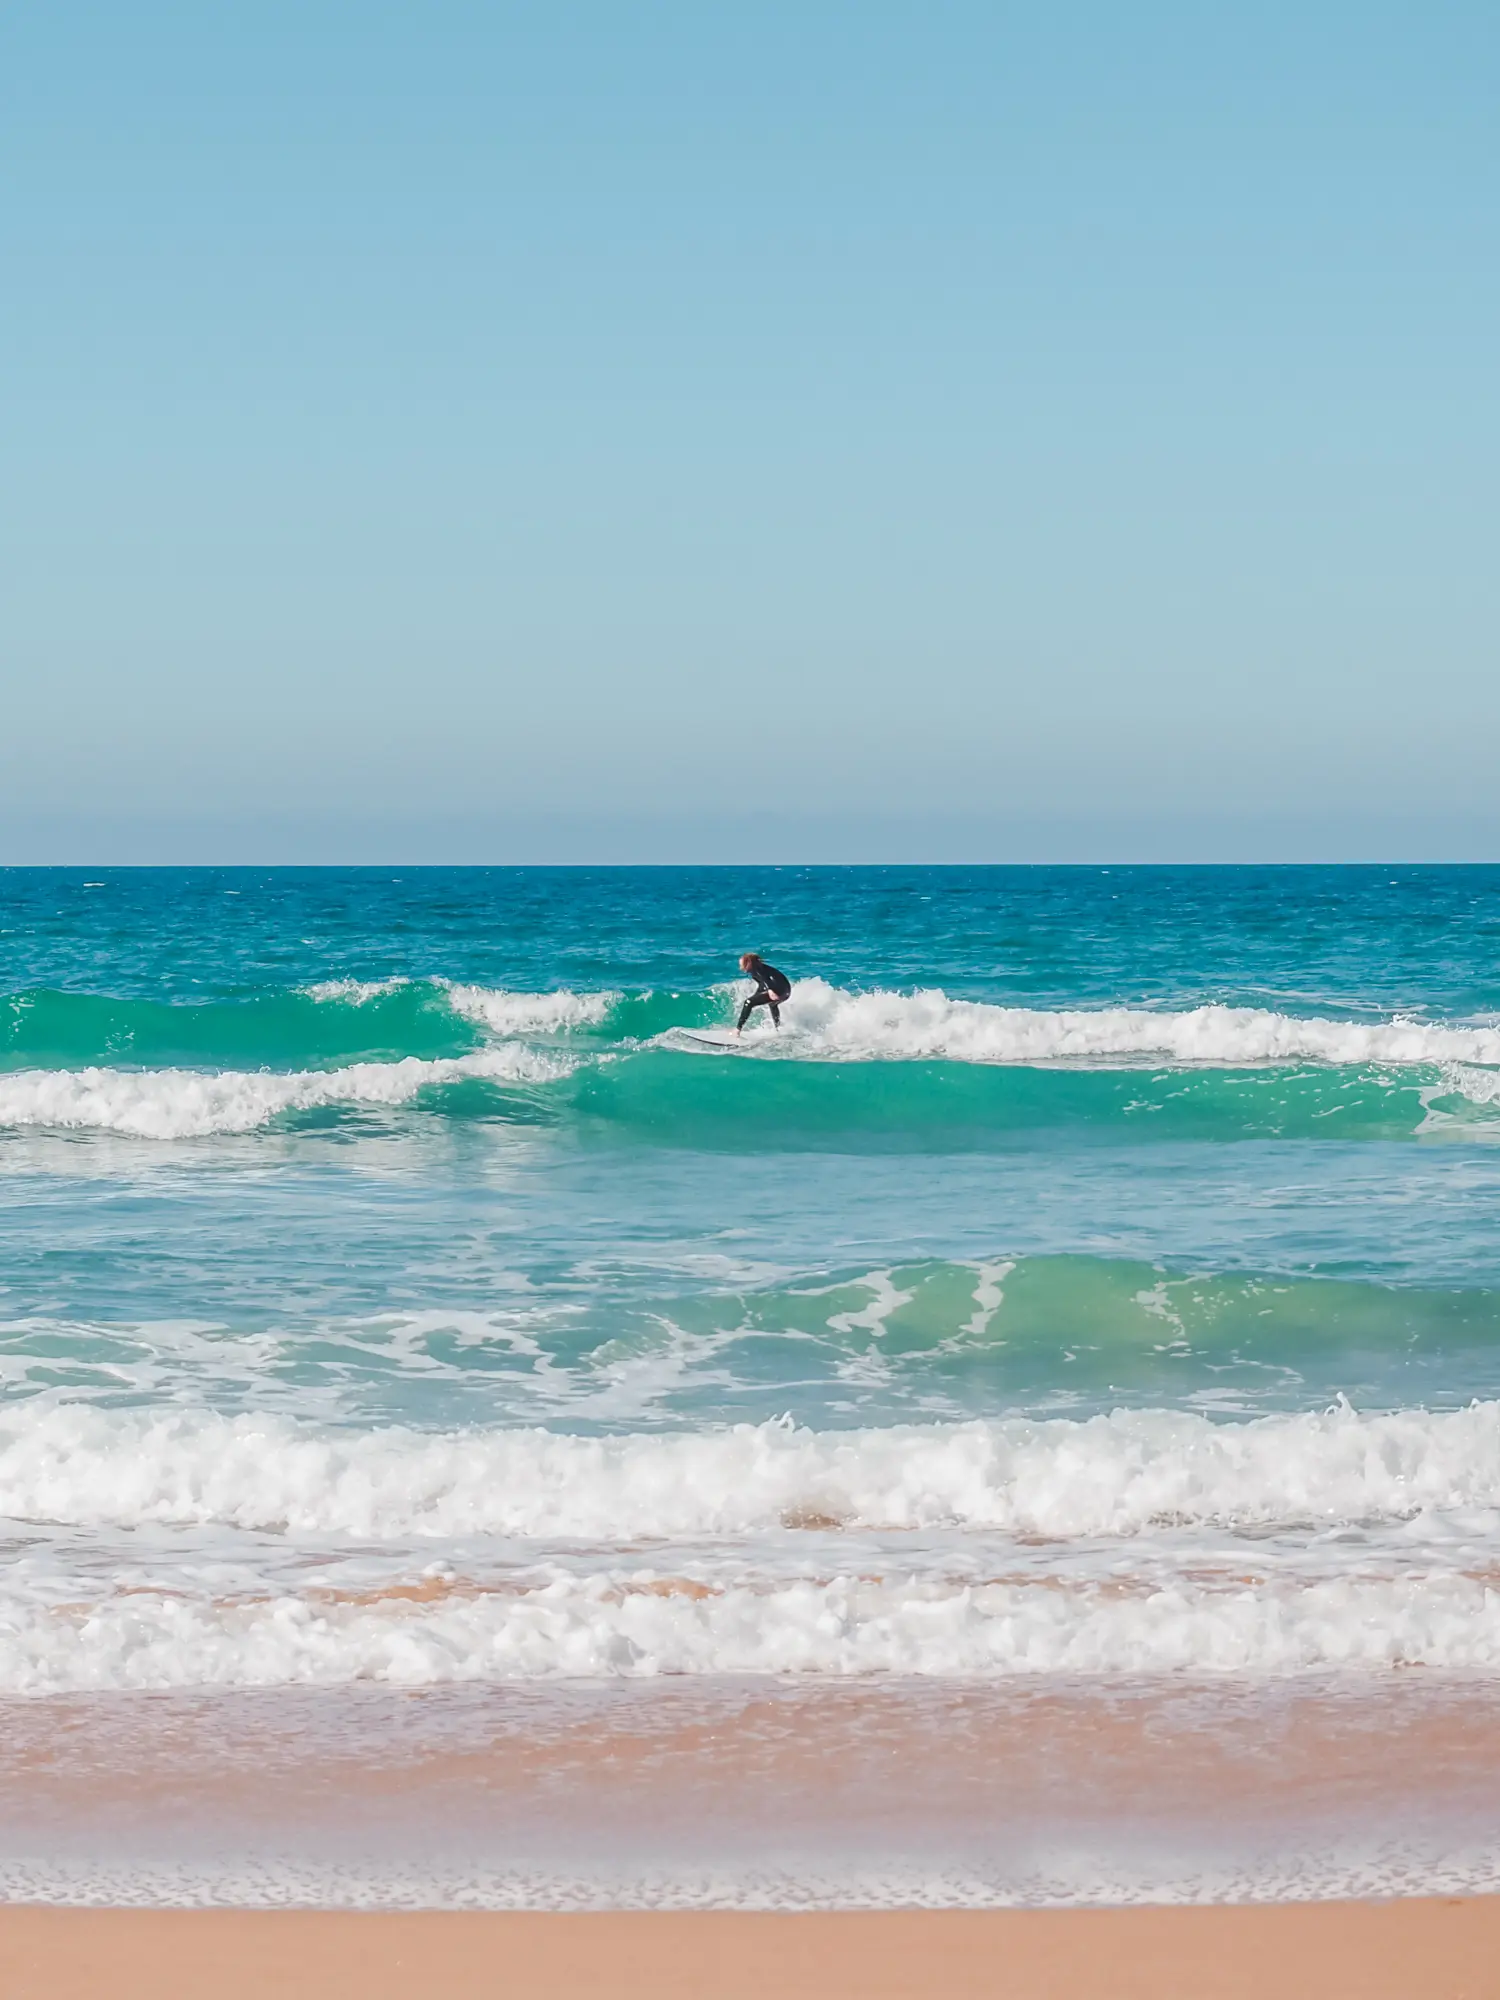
x: 1420, y: 1949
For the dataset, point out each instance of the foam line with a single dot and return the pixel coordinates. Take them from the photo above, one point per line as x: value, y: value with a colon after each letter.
x: 182, y: 1103
x: 637, y: 1625
x: 352, y: 992
x: 1119, y: 1475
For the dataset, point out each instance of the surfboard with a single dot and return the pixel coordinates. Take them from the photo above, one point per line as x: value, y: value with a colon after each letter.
x: 722, y: 1045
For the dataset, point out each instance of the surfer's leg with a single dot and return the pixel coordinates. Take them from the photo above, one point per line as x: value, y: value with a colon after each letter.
x: 760, y: 999
x: 775, y: 1012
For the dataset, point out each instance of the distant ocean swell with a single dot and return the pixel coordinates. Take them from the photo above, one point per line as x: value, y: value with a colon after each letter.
x: 909, y: 1069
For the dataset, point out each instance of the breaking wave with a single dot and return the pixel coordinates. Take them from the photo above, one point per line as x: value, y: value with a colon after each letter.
x: 1356, y: 1543
x: 639, y: 1625
x: 908, y: 1069
x: 1118, y: 1475
x: 182, y: 1104
x: 824, y: 1021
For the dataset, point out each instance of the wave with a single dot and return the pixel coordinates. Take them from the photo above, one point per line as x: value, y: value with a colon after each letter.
x: 657, y: 1096
x: 825, y: 1022
x: 640, y: 1625
x: 182, y: 1104
x: 1356, y: 1542
x: 342, y: 1021
x: 505, y: 1013
x: 820, y: 1023
x: 916, y: 1070
x: 353, y: 992
x: 713, y: 1103
x: 1121, y: 1475
x: 1478, y: 1086
x: 929, y: 1339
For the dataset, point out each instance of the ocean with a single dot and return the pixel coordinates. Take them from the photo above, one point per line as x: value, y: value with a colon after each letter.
x: 1028, y: 1429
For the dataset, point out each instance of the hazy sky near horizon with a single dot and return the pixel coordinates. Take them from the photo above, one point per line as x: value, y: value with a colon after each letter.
x: 828, y: 431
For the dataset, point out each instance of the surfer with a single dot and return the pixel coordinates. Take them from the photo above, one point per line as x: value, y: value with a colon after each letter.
x: 772, y: 988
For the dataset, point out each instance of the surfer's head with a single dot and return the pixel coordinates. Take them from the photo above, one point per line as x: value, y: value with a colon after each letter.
x: 748, y: 959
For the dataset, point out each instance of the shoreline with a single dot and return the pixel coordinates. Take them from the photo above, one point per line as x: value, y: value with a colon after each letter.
x: 1426, y: 1948
x: 751, y: 1797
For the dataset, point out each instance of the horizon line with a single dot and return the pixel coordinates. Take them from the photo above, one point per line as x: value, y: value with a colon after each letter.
x: 145, y: 867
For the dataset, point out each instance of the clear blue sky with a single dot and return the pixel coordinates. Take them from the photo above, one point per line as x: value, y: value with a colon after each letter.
x: 838, y: 430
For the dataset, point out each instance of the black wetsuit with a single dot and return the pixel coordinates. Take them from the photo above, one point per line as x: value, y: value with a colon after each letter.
x: 771, y: 988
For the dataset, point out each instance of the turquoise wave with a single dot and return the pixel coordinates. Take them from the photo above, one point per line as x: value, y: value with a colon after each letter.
x: 1041, y: 1306
x: 919, y: 1338
x: 601, y: 1070
x: 1038, y: 1332
x: 276, y: 1029
x: 291, y: 1029
x: 948, y: 1106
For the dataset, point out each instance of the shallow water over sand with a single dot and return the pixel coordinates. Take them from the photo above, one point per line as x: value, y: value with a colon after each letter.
x: 753, y: 1795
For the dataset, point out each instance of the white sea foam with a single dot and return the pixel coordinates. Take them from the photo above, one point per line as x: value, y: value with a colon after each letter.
x: 1119, y: 1475
x: 183, y: 1103
x: 1067, y: 1874
x: 505, y: 1013
x: 353, y: 992
x: 823, y: 1021
x: 639, y: 1623
x: 1480, y: 1086
x: 1145, y: 1542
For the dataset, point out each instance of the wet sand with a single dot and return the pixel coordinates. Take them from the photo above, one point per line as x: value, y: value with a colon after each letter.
x: 739, y: 1796
x: 1421, y: 1949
